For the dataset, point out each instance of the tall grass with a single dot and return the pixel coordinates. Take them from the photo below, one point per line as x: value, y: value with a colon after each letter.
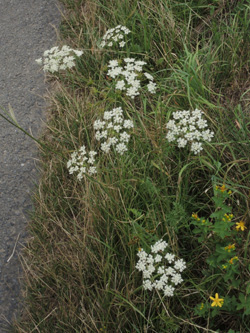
x: 80, y: 261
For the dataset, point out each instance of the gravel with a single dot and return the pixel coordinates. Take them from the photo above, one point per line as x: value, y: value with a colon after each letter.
x: 27, y: 30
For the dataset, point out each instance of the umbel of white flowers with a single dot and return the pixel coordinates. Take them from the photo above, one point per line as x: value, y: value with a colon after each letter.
x: 127, y: 76
x: 54, y: 60
x: 113, y: 131
x: 160, y: 269
x: 82, y: 163
x: 188, y: 127
x: 115, y: 36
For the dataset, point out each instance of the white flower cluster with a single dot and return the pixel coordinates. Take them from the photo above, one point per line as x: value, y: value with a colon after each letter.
x: 113, y: 129
x: 82, y: 163
x: 188, y: 126
x: 54, y: 59
x: 156, y: 274
x: 128, y: 76
x: 115, y: 36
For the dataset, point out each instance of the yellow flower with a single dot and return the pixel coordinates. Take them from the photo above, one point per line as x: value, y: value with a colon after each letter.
x: 195, y: 216
x: 228, y: 217
x: 217, y: 301
x: 230, y: 247
x: 223, y: 188
x: 240, y: 225
x: 202, y: 306
x: 224, y: 266
x: 232, y: 260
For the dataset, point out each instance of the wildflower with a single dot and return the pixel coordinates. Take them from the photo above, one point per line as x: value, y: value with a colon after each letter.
x: 161, y: 270
x: 169, y: 257
x: 149, y: 76
x: 195, y: 216
x: 180, y: 265
x: 115, y: 36
x: 181, y: 142
x: 151, y: 87
x: 113, y: 129
x: 228, y: 217
x: 121, y: 148
x: 128, y: 123
x: 55, y: 59
x: 159, y: 284
x: 113, y: 63
x: 82, y: 164
x: 217, y: 301
x: 223, y: 188
x: 240, y: 225
x: 196, y: 147
x: 176, y: 279
x: 120, y: 85
x: 232, y: 260
x: 170, y: 271
x: 159, y: 246
x: 188, y: 127
x: 169, y: 290
x: 128, y: 60
x: 156, y: 273
x: 141, y: 266
x: 158, y: 258
x: 202, y: 306
x: 127, y: 75
x: 230, y: 247
x: 147, y: 285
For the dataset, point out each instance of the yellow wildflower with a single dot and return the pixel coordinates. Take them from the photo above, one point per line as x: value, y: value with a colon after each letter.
x: 240, y: 225
x: 202, y: 306
x: 195, y: 216
x: 232, y: 260
x: 224, y: 266
x: 228, y: 217
x: 230, y: 247
x: 223, y: 188
x: 217, y: 301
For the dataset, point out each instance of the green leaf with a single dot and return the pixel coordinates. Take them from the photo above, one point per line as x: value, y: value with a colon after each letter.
x: 160, y: 61
x: 244, y: 303
x: 135, y: 212
x: 248, y: 288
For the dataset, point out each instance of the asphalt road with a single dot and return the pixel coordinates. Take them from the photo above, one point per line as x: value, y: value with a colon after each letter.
x: 26, y: 31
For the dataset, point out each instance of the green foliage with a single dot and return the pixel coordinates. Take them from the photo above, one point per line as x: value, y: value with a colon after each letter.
x: 244, y: 303
x: 218, y: 235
